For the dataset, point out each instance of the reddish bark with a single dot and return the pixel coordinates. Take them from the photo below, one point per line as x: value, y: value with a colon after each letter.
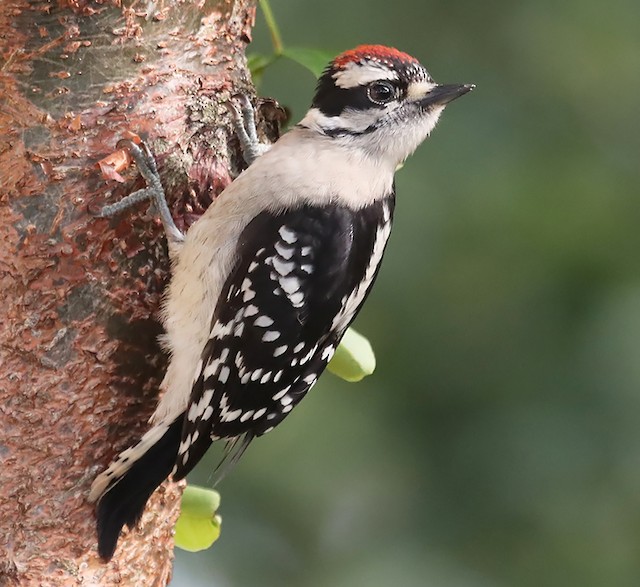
x: 79, y: 358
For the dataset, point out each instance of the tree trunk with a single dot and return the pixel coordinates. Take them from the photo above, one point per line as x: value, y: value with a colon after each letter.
x: 79, y: 358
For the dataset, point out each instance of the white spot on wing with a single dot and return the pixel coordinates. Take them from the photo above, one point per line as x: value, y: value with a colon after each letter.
x: 296, y: 299
x: 290, y: 284
x: 270, y: 335
x: 280, y: 350
x: 327, y: 353
x: 281, y: 393
x: 263, y: 321
x: 265, y: 377
x: 185, y: 444
x: 221, y: 330
x: 210, y: 369
x: 193, y: 413
x: 284, y: 252
x: 288, y: 235
x: 231, y: 416
x: 308, y: 355
x: 283, y: 267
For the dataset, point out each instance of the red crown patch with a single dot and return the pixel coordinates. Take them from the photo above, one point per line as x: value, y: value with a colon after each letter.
x: 372, y: 52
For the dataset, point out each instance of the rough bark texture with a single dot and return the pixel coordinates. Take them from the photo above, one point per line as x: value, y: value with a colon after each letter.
x: 79, y: 358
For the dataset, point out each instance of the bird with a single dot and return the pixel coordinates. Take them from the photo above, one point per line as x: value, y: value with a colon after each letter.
x: 265, y: 283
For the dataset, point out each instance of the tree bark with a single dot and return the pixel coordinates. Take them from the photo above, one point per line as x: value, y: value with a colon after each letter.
x: 80, y: 362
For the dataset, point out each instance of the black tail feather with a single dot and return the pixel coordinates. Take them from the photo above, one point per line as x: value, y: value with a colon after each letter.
x: 125, y: 501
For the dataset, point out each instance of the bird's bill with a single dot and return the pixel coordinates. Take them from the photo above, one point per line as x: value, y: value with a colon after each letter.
x: 444, y: 93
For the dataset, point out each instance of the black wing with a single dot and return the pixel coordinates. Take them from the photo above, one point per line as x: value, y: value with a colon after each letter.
x: 299, y: 281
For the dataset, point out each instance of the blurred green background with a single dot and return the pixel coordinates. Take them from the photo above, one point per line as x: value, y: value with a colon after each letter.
x: 498, y: 442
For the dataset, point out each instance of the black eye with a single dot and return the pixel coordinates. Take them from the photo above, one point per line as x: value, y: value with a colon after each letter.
x: 381, y: 92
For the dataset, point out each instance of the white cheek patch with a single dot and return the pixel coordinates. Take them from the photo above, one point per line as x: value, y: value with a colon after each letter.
x: 356, y: 74
x: 417, y: 90
x: 315, y: 119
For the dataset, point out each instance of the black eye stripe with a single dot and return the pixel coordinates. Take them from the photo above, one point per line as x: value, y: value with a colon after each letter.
x: 332, y: 100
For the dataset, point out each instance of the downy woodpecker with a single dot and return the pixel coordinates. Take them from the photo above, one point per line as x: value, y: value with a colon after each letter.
x: 266, y: 282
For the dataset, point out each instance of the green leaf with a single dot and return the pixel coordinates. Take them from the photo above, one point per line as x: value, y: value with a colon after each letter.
x: 198, y: 526
x: 257, y: 63
x: 315, y: 60
x: 354, y: 358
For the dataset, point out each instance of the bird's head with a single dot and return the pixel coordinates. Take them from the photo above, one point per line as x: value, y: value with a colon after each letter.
x: 380, y: 100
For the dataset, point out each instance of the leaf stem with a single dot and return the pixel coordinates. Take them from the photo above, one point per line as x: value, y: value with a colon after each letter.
x: 276, y: 39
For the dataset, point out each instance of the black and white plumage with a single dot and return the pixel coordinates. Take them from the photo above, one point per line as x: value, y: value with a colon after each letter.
x: 265, y: 284
x: 280, y: 317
